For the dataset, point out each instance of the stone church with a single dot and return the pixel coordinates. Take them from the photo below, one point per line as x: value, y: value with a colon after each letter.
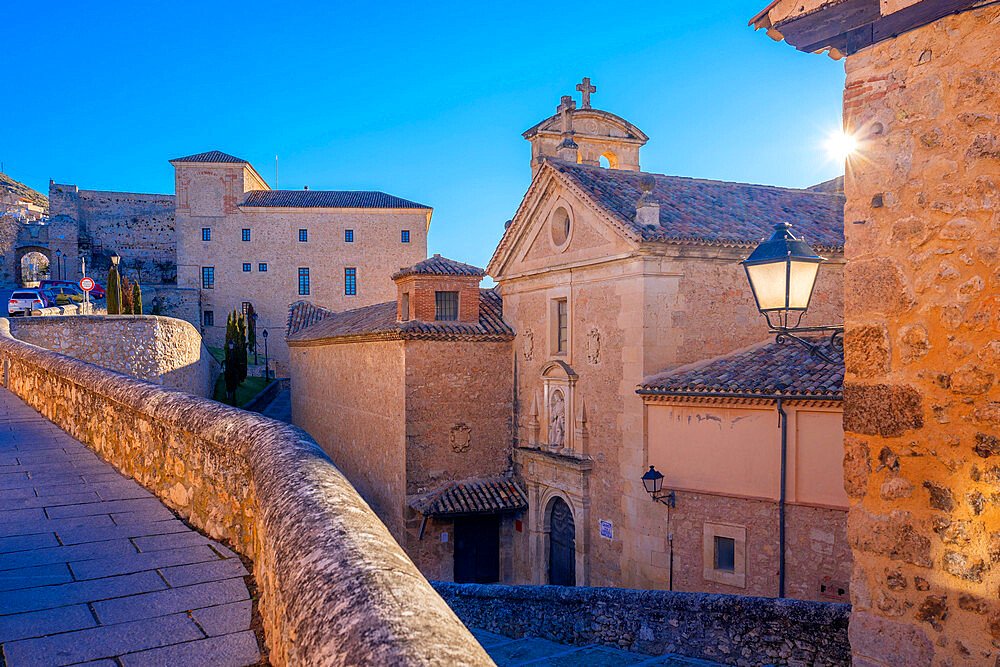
x: 632, y: 321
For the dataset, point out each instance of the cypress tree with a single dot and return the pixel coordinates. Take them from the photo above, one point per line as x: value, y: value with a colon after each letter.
x: 113, y: 292
x: 252, y: 332
x: 136, y: 299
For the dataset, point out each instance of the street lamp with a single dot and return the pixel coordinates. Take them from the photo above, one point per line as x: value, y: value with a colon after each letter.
x: 653, y: 481
x: 115, y: 258
x: 267, y: 368
x: 782, y: 274
x: 58, y: 265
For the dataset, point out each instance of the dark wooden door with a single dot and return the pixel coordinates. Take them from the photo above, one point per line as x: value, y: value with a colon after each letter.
x: 562, y: 545
x: 477, y: 549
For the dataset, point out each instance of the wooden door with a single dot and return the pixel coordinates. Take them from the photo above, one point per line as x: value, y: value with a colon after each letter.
x: 477, y: 549
x: 562, y: 545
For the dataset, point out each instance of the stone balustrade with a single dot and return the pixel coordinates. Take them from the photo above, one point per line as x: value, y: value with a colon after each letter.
x: 335, y: 587
x: 731, y: 629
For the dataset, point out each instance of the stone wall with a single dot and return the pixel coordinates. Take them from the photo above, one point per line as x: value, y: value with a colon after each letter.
x: 161, y: 350
x: 335, y: 588
x: 172, y: 301
x: 922, y: 397
x: 724, y: 628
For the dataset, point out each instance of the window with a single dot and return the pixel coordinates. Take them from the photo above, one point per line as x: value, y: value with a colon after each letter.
x: 303, y: 235
x: 404, y: 308
x: 208, y: 277
x: 405, y: 236
x: 206, y: 233
x: 245, y: 307
x: 209, y: 318
x: 725, y: 554
x: 246, y: 234
x: 562, y: 326
x: 246, y: 266
x: 350, y: 281
x: 445, y: 305
x: 262, y: 267
x: 348, y: 236
x: 303, y: 281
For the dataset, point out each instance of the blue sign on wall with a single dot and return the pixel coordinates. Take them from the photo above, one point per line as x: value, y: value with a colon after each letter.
x: 607, y: 530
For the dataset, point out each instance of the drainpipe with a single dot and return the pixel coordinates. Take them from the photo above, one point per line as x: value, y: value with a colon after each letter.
x: 783, y: 420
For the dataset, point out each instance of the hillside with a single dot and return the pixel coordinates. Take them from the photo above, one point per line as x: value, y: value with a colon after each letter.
x: 11, y: 191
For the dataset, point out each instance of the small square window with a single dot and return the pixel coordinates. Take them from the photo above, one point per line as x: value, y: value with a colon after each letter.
x: 262, y: 267
x: 725, y: 554
x: 206, y: 233
x: 303, y: 235
x: 348, y: 236
x: 208, y: 277
x: 405, y: 236
x: 350, y: 281
x: 304, y: 281
x: 445, y: 306
x: 246, y: 234
x: 246, y: 266
x: 209, y: 318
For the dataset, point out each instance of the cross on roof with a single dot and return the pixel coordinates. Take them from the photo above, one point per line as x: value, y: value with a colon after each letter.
x: 565, y: 108
x: 585, y: 88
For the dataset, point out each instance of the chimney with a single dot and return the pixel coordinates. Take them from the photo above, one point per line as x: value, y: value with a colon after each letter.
x: 647, y: 209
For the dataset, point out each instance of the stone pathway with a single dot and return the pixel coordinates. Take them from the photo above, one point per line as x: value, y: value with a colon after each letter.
x: 507, y: 652
x: 281, y: 407
x: 94, y: 568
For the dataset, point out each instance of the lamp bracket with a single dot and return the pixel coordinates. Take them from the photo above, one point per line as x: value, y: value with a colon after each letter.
x: 835, y: 343
x: 666, y: 497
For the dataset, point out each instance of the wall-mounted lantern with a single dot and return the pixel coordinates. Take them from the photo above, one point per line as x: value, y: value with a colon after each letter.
x: 653, y: 481
x: 782, y: 274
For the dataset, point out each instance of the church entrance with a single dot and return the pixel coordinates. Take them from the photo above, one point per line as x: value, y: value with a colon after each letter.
x: 562, y: 545
x: 477, y: 549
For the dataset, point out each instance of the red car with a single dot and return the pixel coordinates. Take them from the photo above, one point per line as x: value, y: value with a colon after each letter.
x: 97, y: 292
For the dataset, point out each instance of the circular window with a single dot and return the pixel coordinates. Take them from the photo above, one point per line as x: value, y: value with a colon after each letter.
x: 560, y: 226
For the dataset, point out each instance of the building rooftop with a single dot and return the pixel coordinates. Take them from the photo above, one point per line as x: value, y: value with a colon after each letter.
x: 439, y: 266
x: 762, y: 369
x: 379, y: 322
x: 302, y: 313
x: 708, y: 212
x: 211, y: 156
x: 473, y: 496
x: 327, y: 199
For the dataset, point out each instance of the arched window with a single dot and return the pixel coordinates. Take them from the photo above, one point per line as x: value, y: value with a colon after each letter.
x: 609, y: 160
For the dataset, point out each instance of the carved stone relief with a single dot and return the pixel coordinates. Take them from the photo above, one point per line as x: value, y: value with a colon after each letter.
x: 594, y: 346
x: 557, y: 420
x: 528, y: 344
x: 461, y: 437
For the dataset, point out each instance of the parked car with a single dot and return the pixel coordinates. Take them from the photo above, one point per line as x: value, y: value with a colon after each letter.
x: 96, y: 293
x: 22, y: 302
x: 66, y: 294
x: 50, y: 297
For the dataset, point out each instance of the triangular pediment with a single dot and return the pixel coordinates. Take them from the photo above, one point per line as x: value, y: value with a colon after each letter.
x: 537, y: 239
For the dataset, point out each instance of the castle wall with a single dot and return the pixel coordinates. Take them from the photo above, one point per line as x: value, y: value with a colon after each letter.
x: 922, y: 397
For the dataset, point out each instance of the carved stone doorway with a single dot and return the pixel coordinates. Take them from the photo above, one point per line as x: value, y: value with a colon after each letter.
x: 562, y: 545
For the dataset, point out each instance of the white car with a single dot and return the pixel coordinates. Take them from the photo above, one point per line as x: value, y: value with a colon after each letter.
x: 22, y: 302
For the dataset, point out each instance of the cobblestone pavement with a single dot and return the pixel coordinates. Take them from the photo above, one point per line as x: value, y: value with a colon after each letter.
x: 507, y: 652
x: 94, y: 568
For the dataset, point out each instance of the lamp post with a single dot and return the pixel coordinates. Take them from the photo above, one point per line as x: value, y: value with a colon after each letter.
x: 58, y: 265
x: 267, y: 368
x: 782, y: 274
x: 653, y: 481
x: 115, y: 258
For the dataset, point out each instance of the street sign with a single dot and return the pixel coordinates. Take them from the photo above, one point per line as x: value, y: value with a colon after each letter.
x: 86, y: 284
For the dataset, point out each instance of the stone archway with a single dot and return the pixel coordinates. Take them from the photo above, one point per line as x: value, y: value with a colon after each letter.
x: 22, y: 271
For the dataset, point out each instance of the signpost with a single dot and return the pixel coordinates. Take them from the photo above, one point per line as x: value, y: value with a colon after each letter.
x: 86, y: 284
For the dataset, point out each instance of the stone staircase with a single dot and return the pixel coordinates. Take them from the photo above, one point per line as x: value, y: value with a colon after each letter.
x: 507, y: 652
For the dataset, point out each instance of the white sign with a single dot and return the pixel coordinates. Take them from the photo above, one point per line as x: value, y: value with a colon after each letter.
x: 607, y: 530
x: 86, y: 284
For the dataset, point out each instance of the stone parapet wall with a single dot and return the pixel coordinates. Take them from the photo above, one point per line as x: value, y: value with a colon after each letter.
x: 724, y: 628
x: 72, y: 309
x: 161, y: 350
x: 335, y: 588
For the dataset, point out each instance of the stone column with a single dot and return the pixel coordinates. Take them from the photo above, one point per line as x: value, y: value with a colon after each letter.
x: 922, y: 310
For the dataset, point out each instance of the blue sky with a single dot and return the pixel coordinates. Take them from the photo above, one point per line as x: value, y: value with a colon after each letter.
x: 423, y: 100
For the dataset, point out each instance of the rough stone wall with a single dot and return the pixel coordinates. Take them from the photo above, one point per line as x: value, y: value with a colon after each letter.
x: 138, y: 226
x: 723, y: 628
x: 172, y: 301
x: 352, y: 398
x: 335, y: 588
x: 922, y: 397
x: 161, y: 350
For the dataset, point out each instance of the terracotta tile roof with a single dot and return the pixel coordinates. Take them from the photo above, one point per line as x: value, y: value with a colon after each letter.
x: 302, y: 313
x: 473, y: 496
x: 712, y: 212
x: 210, y: 156
x: 327, y: 199
x: 439, y: 266
x: 763, y: 369
x: 379, y: 322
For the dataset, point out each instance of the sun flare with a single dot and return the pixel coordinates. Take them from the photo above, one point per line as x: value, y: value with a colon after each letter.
x: 841, y: 145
